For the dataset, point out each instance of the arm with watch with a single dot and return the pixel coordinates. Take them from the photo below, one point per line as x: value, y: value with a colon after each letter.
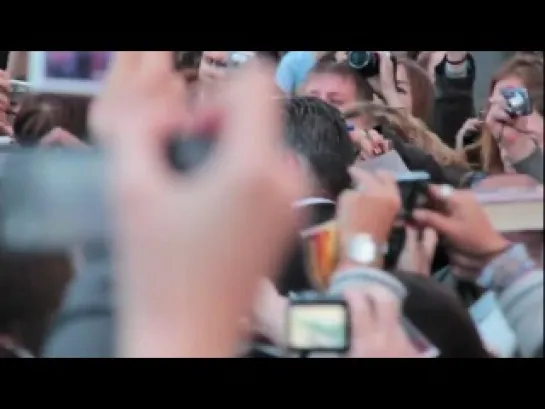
x: 454, y: 73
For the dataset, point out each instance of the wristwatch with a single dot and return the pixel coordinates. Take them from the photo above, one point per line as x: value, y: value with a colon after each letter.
x: 361, y: 248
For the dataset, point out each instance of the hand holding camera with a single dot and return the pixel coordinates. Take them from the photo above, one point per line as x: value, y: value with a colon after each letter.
x: 516, y: 128
x: 379, y: 68
x: 371, y: 208
x: 463, y: 222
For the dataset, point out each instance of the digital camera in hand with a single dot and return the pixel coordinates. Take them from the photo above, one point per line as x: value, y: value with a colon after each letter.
x: 413, y: 187
x: 518, y: 101
x: 54, y: 199
x: 367, y: 63
x: 317, y: 323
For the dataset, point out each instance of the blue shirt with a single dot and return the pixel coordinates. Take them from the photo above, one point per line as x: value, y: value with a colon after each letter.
x: 293, y: 70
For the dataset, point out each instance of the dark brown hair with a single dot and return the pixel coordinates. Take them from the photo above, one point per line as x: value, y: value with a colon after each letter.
x: 40, y: 114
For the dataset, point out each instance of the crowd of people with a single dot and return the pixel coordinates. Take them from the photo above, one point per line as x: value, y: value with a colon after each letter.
x: 209, y: 262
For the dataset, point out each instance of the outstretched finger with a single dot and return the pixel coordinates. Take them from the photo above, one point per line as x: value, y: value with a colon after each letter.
x: 253, y: 125
x: 437, y: 221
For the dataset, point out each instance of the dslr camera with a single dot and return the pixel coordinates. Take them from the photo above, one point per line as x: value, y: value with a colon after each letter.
x: 367, y: 63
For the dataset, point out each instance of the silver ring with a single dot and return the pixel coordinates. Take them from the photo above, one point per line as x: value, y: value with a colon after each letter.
x: 446, y: 191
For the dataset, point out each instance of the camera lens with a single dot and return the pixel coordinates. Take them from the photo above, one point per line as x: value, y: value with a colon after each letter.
x: 365, y: 62
x: 359, y: 59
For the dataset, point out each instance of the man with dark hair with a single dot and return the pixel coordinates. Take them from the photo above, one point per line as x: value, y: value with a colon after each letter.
x: 318, y: 133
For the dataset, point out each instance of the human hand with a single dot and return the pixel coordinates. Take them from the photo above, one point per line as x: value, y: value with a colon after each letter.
x: 190, y: 249
x: 269, y: 313
x: 376, y: 324
x: 418, y: 251
x: 470, y: 125
x: 5, y: 104
x: 516, y: 137
x: 385, y: 83
x: 61, y: 137
x: 371, y: 208
x: 370, y: 142
x: 462, y: 222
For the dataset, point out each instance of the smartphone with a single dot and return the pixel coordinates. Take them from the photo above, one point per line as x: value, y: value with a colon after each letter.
x: 67, y: 72
x: 318, y: 325
x: 518, y: 101
x: 53, y: 199
x: 413, y: 187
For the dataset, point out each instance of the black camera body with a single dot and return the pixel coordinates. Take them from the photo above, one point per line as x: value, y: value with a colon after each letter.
x: 366, y: 63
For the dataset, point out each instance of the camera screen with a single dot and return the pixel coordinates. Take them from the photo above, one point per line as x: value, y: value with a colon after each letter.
x: 76, y: 65
x: 68, y: 72
x: 318, y: 327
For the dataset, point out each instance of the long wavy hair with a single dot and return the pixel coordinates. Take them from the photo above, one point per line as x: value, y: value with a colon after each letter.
x: 529, y: 69
x: 411, y: 129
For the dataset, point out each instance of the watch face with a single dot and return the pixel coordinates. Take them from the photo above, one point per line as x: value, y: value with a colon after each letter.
x: 362, y: 249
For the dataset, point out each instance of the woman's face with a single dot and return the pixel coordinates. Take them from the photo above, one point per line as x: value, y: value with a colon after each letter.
x: 534, y: 121
x: 404, y: 87
x: 334, y: 89
x: 213, y: 66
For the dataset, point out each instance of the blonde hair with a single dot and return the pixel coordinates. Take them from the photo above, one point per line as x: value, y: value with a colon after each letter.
x: 411, y: 130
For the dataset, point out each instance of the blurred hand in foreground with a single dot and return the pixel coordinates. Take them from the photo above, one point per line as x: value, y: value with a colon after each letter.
x: 191, y: 249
